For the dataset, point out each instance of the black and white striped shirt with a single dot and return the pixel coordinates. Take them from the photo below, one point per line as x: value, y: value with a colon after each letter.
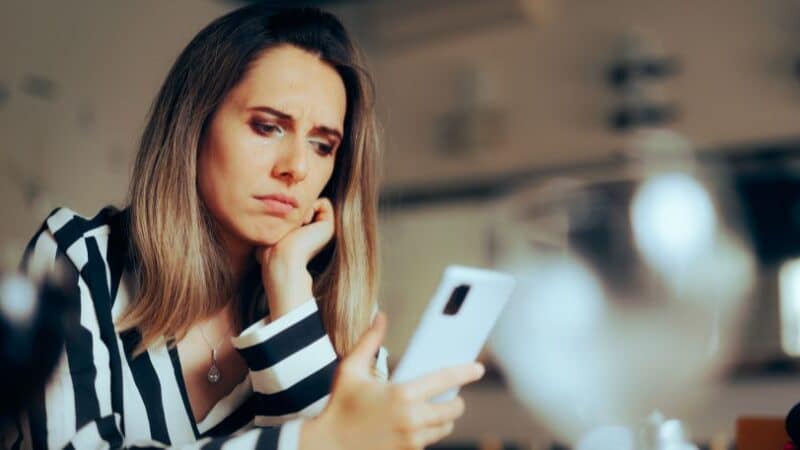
x: 101, y: 397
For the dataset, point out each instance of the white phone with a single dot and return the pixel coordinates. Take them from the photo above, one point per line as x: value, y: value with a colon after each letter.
x: 456, y: 323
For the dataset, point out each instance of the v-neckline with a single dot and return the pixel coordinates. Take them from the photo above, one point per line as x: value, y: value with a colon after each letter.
x: 179, y: 376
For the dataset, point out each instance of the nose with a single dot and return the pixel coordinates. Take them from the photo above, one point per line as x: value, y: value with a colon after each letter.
x: 291, y: 166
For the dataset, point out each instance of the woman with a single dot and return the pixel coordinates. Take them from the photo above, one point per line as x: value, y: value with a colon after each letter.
x: 231, y: 303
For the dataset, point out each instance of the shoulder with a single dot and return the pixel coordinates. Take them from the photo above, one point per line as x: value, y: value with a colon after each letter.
x: 68, y: 227
x: 78, y: 237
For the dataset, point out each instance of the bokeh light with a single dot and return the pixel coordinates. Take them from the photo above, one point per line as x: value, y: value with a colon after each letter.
x: 630, y: 289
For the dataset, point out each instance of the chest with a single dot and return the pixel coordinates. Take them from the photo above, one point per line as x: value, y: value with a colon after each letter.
x: 196, y: 362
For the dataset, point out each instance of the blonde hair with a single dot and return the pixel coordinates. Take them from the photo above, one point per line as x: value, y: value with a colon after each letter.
x: 180, y: 268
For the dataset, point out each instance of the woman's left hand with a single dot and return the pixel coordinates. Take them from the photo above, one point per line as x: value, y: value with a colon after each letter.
x: 284, y: 272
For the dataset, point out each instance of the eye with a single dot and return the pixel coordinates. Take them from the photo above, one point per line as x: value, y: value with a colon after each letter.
x: 322, y: 147
x: 267, y: 129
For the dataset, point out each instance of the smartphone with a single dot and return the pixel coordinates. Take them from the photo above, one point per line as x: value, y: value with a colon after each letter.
x: 456, y: 323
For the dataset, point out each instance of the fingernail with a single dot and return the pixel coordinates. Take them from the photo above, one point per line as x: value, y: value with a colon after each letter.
x: 480, y: 369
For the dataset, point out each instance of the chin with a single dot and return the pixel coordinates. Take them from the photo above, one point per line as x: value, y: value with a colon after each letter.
x: 262, y: 241
x: 270, y: 236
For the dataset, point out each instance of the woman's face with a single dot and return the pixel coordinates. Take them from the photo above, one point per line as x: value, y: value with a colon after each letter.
x: 270, y: 147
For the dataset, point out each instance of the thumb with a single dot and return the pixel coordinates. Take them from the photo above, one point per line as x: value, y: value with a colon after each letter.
x: 366, y: 348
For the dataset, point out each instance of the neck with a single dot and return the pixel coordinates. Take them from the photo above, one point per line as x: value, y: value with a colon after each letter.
x: 240, y: 256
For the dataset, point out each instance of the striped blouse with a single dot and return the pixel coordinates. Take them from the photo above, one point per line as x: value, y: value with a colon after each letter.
x: 99, y: 396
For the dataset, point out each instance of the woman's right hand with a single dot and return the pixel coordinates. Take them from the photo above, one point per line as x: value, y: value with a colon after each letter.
x: 367, y: 413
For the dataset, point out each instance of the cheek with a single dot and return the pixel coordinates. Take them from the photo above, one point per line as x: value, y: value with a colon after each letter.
x: 216, y: 182
x: 223, y: 170
x: 210, y: 192
x: 325, y: 172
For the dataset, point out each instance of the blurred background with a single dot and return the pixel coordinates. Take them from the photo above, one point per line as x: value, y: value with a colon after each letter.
x: 514, y: 130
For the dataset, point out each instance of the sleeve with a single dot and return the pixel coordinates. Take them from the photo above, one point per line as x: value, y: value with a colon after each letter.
x: 76, y: 409
x: 292, y: 362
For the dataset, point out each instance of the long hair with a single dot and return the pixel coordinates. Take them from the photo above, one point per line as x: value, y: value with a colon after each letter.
x: 180, y: 269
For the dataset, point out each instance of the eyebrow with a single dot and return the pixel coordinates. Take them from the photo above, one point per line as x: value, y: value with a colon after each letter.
x: 284, y: 116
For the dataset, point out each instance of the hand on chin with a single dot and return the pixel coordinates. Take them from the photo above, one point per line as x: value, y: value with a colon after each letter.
x: 283, y: 263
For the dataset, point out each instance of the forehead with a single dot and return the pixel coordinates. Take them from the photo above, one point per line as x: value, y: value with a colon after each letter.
x: 296, y: 82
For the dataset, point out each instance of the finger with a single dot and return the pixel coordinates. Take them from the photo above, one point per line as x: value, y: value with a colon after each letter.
x: 369, y: 343
x: 309, y: 216
x: 435, y: 414
x: 323, y: 226
x: 323, y: 209
x: 320, y: 206
x: 442, y: 380
x: 431, y: 435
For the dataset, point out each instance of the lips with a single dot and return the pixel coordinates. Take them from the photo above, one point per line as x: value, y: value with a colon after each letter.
x: 289, y: 200
x: 278, y: 204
